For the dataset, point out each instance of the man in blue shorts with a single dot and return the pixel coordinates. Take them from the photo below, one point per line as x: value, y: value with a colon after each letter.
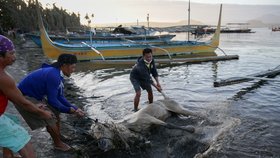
x: 13, y: 137
x: 140, y: 77
x: 46, y: 85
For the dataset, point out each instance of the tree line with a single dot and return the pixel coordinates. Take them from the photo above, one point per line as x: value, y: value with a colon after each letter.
x: 22, y: 15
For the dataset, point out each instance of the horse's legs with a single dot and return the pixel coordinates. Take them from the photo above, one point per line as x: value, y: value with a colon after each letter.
x: 169, y: 125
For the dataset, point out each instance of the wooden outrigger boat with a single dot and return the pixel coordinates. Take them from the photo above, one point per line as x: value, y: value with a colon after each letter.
x: 102, y: 39
x: 229, y: 28
x: 174, y: 50
x: 274, y: 29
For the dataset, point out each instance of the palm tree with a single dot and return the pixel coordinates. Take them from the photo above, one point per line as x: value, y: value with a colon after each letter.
x: 87, y: 18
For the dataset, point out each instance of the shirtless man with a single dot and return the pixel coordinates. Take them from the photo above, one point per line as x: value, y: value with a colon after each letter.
x: 13, y: 137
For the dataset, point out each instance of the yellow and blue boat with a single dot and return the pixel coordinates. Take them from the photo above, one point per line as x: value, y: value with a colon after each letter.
x: 131, y: 49
x: 102, y: 39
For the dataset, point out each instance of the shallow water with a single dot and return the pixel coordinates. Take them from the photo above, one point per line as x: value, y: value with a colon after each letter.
x: 251, y: 122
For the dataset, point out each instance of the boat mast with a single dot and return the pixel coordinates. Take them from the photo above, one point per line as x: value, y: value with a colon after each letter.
x: 148, y: 23
x: 189, y: 18
x: 91, y: 32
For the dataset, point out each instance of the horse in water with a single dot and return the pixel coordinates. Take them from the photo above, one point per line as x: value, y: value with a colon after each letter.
x: 131, y: 129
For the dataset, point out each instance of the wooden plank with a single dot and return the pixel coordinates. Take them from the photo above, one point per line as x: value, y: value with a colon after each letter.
x: 260, y: 76
x: 263, y: 78
x: 168, y: 61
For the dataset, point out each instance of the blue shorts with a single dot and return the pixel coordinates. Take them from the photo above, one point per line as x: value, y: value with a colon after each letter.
x: 12, y: 135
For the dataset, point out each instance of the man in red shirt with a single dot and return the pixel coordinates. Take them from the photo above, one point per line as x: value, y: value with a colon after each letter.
x: 13, y: 137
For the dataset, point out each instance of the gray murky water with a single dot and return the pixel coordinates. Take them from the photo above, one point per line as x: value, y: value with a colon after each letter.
x: 251, y: 122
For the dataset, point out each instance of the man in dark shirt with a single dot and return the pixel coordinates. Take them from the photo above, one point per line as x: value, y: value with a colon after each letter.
x: 140, y: 76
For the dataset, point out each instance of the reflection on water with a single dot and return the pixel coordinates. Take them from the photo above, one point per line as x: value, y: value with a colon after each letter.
x: 252, y: 116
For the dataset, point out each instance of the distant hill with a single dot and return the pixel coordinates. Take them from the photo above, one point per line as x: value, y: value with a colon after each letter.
x: 267, y: 20
x: 257, y: 15
x: 155, y: 24
x: 257, y: 24
x: 207, y: 14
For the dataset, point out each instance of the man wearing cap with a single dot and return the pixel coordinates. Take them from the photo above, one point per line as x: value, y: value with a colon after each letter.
x: 140, y: 77
x: 13, y: 137
x: 46, y: 85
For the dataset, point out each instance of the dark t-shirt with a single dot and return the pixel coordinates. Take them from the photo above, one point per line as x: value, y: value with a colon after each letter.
x: 142, y: 73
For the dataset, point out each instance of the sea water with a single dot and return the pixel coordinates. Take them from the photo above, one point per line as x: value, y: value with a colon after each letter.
x: 248, y: 112
x: 255, y: 134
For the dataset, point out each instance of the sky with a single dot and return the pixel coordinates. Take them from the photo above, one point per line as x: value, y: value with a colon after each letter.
x: 121, y: 11
x: 248, y: 2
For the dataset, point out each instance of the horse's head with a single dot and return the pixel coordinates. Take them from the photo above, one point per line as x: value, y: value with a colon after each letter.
x: 104, y: 135
x: 113, y: 136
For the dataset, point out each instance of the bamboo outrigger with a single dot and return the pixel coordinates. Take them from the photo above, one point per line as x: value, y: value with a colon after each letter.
x: 266, y: 76
x: 176, y: 51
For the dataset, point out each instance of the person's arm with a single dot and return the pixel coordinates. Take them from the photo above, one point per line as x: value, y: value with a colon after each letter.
x: 8, y: 87
x: 65, y: 102
x: 154, y: 71
x: 157, y: 85
x: 157, y: 81
x: 75, y: 109
x: 155, y: 75
x: 54, y: 96
x: 53, y: 91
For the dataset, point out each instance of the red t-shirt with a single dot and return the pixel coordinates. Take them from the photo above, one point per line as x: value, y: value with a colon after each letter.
x: 3, y: 103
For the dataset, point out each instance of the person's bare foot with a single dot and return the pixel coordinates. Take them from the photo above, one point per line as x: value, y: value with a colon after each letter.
x: 135, y: 110
x: 62, y: 147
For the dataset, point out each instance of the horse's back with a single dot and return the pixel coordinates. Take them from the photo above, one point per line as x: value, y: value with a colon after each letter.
x: 157, y: 110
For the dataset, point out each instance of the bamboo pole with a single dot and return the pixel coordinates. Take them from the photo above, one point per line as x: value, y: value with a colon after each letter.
x: 169, y: 61
x: 258, y: 76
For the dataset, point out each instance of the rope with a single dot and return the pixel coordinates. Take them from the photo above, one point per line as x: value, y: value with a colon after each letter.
x: 95, y: 50
x: 167, y: 52
x: 222, y: 51
x: 218, y: 48
x: 79, y: 129
x: 83, y: 131
x: 276, y: 67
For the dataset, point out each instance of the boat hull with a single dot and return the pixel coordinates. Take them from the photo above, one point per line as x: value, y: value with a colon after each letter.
x: 102, y: 39
x: 171, y: 49
x: 178, y: 50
